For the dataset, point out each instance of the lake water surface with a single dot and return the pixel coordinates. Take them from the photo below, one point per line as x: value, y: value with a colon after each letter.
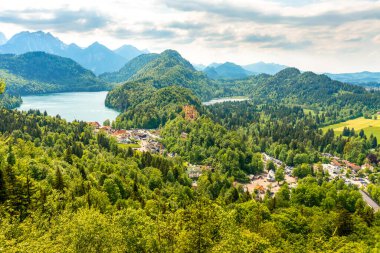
x: 227, y: 99
x: 85, y: 106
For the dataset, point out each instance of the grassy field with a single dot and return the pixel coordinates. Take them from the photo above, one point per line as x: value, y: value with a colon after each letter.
x: 370, y: 126
x: 129, y: 145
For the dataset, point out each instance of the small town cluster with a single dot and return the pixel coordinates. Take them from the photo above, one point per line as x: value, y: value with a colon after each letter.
x: 139, y: 139
x: 145, y: 140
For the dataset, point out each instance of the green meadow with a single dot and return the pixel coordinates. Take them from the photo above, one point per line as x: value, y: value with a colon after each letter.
x: 370, y: 126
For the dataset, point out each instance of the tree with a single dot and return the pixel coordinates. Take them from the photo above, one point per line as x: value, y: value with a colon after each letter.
x: 107, y: 122
x: 59, y: 184
x: 279, y: 175
x: 2, y: 86
x: 271, y: 166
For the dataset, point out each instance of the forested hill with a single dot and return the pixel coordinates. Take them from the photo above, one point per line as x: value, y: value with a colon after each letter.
x: 293, y: 87
x: 165, y: 69
x: 227, y: 70
x: 129, y: 69
x: 39, y: 72
x: 144, y: 106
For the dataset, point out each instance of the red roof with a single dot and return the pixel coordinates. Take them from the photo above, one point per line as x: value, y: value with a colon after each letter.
x: 94, y: 124
x: 335, y: 163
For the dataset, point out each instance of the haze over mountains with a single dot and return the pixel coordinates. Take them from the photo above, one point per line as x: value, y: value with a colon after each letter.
x: 39, y: 73
x: 227, y: 70
x: 3, y: 39
x: 97, y: 58
x: 117, y: 66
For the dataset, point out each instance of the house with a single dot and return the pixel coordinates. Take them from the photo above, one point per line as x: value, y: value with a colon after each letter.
x: 270, y: 176
x: 191, y: 112
x: 334, y: 162
x: 94, y: 124
x: 183, y: 135
x: 367, y: 166
x: 331, y: 169
x: 260, y: 189
x: 289, y: 170
x: 352, y: 166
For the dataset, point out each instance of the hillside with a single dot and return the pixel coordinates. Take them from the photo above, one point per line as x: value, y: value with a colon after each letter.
x: 144, y: 106
x: 129, y: 69
x: 293, y: 87
x: 96, y: 57
x: 226, y: 70
x: 39, y: 72
x: 165, y: 69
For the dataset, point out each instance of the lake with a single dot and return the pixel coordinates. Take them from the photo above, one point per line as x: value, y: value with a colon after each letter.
x: 226, y: 99
x: 85, y: 106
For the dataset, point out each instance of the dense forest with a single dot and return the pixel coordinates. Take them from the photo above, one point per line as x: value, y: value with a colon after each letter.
x: 66, y: 187
x: 62, y: 187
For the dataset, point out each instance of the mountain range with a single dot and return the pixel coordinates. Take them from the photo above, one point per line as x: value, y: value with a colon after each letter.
x: 365, y: 78
x: 265, y: 68
x: 226, y: 70
x: 39, y: 72
x: 97, y: 57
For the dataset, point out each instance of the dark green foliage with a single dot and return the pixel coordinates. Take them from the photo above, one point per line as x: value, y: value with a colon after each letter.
x: 146, y: 107
x: 10, y: 101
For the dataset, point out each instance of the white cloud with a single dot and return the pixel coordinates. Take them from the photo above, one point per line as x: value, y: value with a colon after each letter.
x: 319, y: 35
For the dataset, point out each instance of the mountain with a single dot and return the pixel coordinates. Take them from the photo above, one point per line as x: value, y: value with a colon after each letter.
x: 365, y: 78
x: 265, y: 68
x: 3, y: 39
x: 129, y: 69
x: 309, y: 89
x: 226, y: 70
x: 96, y: 57
x: 199, y: 67
x: 39, y: 72
x: 129, y: 52
x: 169, y: 69
x: 144, y: 106
x: 24, y: 42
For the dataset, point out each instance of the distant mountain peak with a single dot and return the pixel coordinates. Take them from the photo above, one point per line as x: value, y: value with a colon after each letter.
x: 129, y: 52
x: 288, y: 72
x: 171, y: 53
x: 96, y: 57
x: 227, y: 70
x: 266, y: 68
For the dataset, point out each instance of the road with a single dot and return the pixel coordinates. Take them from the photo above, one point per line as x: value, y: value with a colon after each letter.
x: 370, y: 201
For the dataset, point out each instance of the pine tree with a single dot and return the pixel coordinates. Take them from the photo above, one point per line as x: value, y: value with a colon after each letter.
x: 59, y: 182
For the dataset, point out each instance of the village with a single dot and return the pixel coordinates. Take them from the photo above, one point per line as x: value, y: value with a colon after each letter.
x: 265, y: 182
x: 143, y: 140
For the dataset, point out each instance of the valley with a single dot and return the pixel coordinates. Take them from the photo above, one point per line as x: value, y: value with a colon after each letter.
x: 105, y: 147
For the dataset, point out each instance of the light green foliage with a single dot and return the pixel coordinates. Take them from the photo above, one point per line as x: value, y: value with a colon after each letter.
x: 2, y: 86
x: 106, y: 199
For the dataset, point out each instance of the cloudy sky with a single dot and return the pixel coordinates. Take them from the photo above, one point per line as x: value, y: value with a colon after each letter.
x: 323, y: 36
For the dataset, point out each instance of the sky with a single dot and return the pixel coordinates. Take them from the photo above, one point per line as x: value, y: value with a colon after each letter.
x: 323, y: 36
